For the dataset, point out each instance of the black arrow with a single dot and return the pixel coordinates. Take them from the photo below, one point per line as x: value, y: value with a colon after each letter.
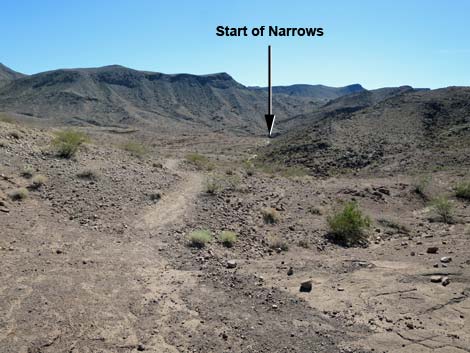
x: 270, y: 117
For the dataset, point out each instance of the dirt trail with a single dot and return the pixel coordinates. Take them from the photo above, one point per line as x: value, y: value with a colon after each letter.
x: 172, y: 206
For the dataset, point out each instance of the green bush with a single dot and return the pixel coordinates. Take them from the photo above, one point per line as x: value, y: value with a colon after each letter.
x: 349, y: 225
x: 462, y: 190
x: 199, y: 238
x: 270, y: 215
x: 443, y: 208
x: 227, y: 238
x: 134, y: 148
x: 19, y: 194
x: 68, y: 141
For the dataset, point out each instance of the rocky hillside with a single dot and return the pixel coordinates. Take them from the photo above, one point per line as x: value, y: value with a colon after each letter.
x: 7, y: 75
x: 116, y: 95
x: 408, y: 131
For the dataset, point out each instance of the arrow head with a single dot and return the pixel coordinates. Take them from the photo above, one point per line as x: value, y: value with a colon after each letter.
x: 270, y: 122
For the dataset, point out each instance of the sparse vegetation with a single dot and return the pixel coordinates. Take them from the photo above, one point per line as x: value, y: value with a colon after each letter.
x: 227, y: 238
x: 394, y: 225
x: 282, y: 170
x: 199, y: 238
x: 278, y: 244
x: 27, y: 171
x: 213, y: 185
x: 444, y: 208
x: 315, y: 210
x: 19, y: 194
x: 462, y: 190
x: 349, y: 225
x: 89, y: 173
x: 135, y: 149
x: 68, y: 141
x: 200, y: 161
x: 270, y: 215
x: 37, y: 181
x: 421, y: 184
x: 303, y: 243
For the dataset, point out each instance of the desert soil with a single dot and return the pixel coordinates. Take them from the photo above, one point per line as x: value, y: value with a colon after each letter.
x: 102, y: 263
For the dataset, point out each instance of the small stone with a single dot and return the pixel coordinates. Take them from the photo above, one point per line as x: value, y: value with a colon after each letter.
x: 446, y: 259
x: 306, y: 286
x: 445, y: 281
x: 231, y: 264
x: 274, y: 306
x: 436, y: 279
x: 140, y: 347
x: 432, y: 250
x: 340, y: 289
x: 290, y: 271
x: 435, y: 265
x: 412, y: 253
x: 58, y: 251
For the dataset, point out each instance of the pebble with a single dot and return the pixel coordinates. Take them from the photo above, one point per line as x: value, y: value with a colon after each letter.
x: 446, y: 259
x: 432, y: 250
x: 290, y: 272
x: 436, y: 279
x: 445, y: 281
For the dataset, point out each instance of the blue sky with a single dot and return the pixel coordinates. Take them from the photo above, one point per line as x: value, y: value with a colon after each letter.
x: 375, y: 43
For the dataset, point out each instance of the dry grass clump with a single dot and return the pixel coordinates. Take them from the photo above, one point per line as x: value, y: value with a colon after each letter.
x: 420, y: 185
x: 199, y: 238
x: 19, y: 194
x: 67, y: 142
x: 278, y: 244
x: 227, y: 238
x: 348, y: 226
x: 37, y: 181
x: 462, y: 190
x: 444, y: 208
x: 135, y: 149
x: 27, y: 171
x: 88, y: 173
x: 200, y: 161
x: 270, y: 215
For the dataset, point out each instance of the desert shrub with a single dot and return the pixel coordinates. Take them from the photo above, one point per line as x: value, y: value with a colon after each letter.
x: 349, y: 225
x: 199, y: 238
x: 88, y: 173
x: 315, y: 210
x: 227, y: 238
x: 213, y: 185
x: 276, y: 243
x: 200, y: 161
x: 19, y: 194
x: 27, y: 171
x: 37, y: 181
x: 421, y: 184
x: 443, y: 208
x: 270, y: 215
x: 462, y: 190
x: 134, y: 148
x: 67, y: 142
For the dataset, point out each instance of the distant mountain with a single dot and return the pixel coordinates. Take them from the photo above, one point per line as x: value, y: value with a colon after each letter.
x: 384, y: 130
x: 318, y: 92
x: 7, y: 75
x: 115, y: 95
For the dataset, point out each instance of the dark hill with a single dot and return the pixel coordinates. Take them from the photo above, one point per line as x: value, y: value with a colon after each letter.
x: 7, y: 75
x: 115, y: 95
x: 412, y: 130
